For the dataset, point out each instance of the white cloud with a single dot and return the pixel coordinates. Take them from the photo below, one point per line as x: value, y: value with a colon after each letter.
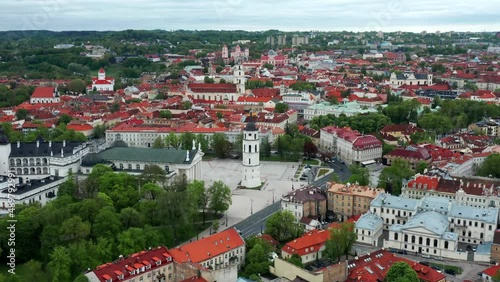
x: 357, y: 15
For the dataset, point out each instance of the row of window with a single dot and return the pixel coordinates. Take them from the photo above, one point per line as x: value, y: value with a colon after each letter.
x: 28, y: 162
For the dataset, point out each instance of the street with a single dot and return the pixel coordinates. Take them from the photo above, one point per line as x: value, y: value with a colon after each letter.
x: 256, y: 223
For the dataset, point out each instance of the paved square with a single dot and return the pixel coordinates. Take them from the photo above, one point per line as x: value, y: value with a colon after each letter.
x: 277, y: 178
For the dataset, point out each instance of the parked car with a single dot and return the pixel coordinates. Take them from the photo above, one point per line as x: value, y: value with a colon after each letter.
x: 426, y: 263
x: 426, y: 256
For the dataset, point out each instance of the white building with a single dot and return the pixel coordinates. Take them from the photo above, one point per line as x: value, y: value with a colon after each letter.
x: 433, y: 225
x: 349, y: 145
x: 411, y: 78
x: 174, y: 162
x: 347, y: 108
x: 369, y: 228
x: 44, y: 95
x: 102, y: 83
x: 27, y: 192
x: 251, y: 157
x: 40, y: 159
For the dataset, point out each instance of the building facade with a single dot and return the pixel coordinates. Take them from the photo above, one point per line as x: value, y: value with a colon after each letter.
x: 348, y: 200
x: 251, y: 157
x: 305, y: 202
x: 102, y: 83
x: 411, y: 78
x: 369, y: 228
x: 44, y: 95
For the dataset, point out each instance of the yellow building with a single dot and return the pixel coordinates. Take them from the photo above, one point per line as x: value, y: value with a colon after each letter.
x: 347, y: 200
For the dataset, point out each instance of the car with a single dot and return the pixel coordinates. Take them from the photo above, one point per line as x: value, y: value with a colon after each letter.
x: 474, y: 249
x: 310, y: 268
x: 435, y: 267
x: 308, y: 166
x: 479, y: 274
x: 460, y: 250
x: 426, y: 263
x: 469, y: 248
x: 426, y: 256
x: 303, y: 178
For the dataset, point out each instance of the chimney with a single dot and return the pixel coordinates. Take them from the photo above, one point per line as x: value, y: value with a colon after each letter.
x: 64, y: 143
x: 18, y: 144
x: 50, y: 143
x: 37, y: 143
x: 187, y: 156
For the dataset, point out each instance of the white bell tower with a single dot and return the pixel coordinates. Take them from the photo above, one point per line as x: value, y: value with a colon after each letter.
x: 4, y: 154
x: 251, y: 157
x: 239, y: 78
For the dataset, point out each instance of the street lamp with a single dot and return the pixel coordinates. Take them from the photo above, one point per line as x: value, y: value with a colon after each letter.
x: 226, y: 218
x: 251, y: 206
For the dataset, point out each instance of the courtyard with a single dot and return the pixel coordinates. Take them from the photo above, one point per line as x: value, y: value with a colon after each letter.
x: 277, y: 178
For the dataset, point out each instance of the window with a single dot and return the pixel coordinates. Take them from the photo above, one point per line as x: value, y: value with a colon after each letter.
x: 446, y: 244
x: 249, y: 161
x: 435, y: 243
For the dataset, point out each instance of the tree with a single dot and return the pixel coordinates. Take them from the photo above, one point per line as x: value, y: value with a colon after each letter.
x: 283, y: 226
x: 341, y: 241
x: 490, y: 166
x: 64, y: 119
x: 172, y: 140
x: 401, y: 272
x: 60, y: 265
x: 268, y: 66
x: 222, y: 80
x: 186, y: 140
x: 159, y: 143
x: 257, y: 258
x: 152, y: 174
x: 421, y: 167
x: 310, y: 148
x: 77, y: 86
x: 265, y: 147
x: 436, y: 123
x: 107, y: 223
x: 115, y: 107
x: 360, y: 175
x: 392, y: 177
x: 203, y: 142
x: 130, y: 217
x: 99, y: 131
x: 220, y: 197
x: 295, y: 259
x: 221, y: 146
x: 21, y: 114
x: 199, y: 195
x: 74, y: 229
x: 68, y: 187
x: 208, y: 80
x: 166, y: 114
x: 281, y: 107
x: 215, y: 226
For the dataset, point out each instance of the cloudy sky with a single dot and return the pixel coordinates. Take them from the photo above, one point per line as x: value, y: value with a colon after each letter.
x: 290, y: 15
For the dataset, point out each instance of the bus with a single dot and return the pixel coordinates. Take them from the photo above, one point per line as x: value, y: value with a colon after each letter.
x: 367, y: 163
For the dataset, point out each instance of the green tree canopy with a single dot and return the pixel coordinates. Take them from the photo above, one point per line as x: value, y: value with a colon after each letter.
x: 490, y: 166
x: 401, y: 272
x: 283, y: 226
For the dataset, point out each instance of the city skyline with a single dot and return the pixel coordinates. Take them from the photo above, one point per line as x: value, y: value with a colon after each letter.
x: 321, y: 15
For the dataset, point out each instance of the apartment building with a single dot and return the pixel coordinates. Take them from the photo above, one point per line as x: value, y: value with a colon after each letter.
x: 347, y: 200
x: 305, y: 202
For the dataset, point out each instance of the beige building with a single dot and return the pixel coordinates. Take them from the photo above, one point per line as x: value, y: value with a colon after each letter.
x: 347, y: 200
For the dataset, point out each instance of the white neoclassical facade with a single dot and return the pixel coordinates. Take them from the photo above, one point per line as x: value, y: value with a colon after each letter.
x: 27, y: 192
x: 251, y: 157
x: 369, y: 228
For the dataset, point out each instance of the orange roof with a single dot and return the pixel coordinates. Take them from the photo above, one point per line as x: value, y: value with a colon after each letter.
x: 208, y: 247
x: 430, y: 181
x: 309, y: 243
x: 491, y: 271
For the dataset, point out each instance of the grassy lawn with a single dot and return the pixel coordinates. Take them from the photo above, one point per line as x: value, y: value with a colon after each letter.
x: 208, y: 157
x: 322, y: 172
x: 458, y: 270
x: 311, y: 162
x: 23, y: 272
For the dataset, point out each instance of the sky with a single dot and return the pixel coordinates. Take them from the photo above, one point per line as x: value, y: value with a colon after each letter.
x: 253, y: 15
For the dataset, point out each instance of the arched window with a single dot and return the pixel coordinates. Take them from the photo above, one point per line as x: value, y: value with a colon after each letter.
x: 435, y: 243
x: 420, y: 240
x: 45, y: 170
x: 406, y: 237
x: 249, y: 161
x: 38, y: 161
x: 446, y: 244
x: 25, y: 161
x: 12, y: 162
x: 249, y: 148
x: 32, y: 161
x: 44, y: 161
x: 19, y: 171
x: 38, y: 170
x: 18, y: 162
x: 256, y: 149
x: 395, y: 236
x: 413, y: 238
x: 428, y: 242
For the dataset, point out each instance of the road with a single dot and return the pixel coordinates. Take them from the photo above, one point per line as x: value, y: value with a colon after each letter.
x: 256, y: 223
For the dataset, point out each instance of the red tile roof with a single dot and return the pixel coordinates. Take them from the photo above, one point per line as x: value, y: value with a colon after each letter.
x: 208, y: 247
x: 43, y: 92
x: 213, y: 87
x: 79, y: 127
x: 374, y: 267
x: 132, y: 263
x: 311, y: 242
x: 491, y: 271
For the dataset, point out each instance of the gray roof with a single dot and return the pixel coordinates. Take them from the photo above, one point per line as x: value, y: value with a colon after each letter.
x: 150, y: 155
x: 439, y: 204
x: 484, y: 248
x: 30, y: 149
x: 369, y: 221
x: 450, y: 236
x: 430, y: 220
x: 390, y: 201
x: 488, y: 215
